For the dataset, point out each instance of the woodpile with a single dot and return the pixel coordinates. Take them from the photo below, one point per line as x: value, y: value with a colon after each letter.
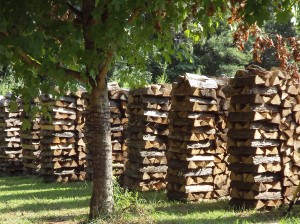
x: 196, y: 162
x: 81, y: 149
x: 221, y: 173
x: 118, y: 100
x: 30, y: 139
x: 253, y: 138
x: 58, y: 143
x: 147, y: 132
x: 290, y: 132
x: 10, y: 142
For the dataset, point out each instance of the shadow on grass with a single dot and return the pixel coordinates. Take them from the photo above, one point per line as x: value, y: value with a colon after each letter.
x: 54, y: 205
x: 222, y: 213
x: 33, y: 195
x: 44, y: 193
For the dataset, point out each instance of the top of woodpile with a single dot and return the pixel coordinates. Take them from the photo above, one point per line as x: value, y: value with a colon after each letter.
x: 255, y: 75
x: 116, y: 92
x: 222, y: 81
x: 189, y: 80
x: 153, y: 89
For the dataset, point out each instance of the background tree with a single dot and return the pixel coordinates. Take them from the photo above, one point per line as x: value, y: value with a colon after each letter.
x: 215, y: 56
x: 273, y: 28
x: 63, y: 42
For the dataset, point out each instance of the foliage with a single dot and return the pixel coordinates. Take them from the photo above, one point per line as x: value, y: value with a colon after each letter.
x: 219, y: 56
x: 7, y: 82
x: 163, y: 78
x: 272, y: 28
x: 124, y: 198
x: 48, y: 39
x: 216, y: 56
x: 129, y: 76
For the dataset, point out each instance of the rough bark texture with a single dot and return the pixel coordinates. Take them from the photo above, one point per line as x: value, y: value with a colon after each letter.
x: 99, y: 144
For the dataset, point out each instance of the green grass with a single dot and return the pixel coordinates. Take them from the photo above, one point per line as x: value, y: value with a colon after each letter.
x: 29, y: 200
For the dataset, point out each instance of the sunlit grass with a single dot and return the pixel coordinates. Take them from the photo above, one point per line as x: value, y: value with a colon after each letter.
x: 29, y: 200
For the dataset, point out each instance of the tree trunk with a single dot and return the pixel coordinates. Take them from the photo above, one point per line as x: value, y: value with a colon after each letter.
x: 99, y: 145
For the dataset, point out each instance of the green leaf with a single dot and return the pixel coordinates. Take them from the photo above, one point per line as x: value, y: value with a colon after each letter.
x: 187, y: 33
x: 283, y: 17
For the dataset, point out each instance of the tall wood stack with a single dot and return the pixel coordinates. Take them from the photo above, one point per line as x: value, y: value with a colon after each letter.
x: 196, y: 165
x: 81, y: 149
x: 118, y: 99
x: 147, y: 132
x: 30, y: 138
x: 290, y: 132
x: 253, y: 139
x: 221, y: 173
x: 10, y: 146
x: 58, y: 143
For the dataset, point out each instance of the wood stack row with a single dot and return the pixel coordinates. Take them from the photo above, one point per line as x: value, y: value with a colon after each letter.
x: 290, y: 132
x: 253, y: 139
x: 221, y: 173
x: 58, y: 143
x: 118, y: 100
x: 81, y: 149
x: 146, y: 167
x: 30, y: 138
x: 195, y: 168
x: 10, y: 141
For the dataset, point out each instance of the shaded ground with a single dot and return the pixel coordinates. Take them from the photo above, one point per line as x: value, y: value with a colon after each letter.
x: 29, y: 200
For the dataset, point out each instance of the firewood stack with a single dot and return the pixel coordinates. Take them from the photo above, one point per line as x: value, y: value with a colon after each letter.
x: 253, y: 139
x: 147, y: 138
x: 30, y: 138
x: 81, y: 110
x: 193, y: 161
x: 221, y: 173
x: 10, y: 149
x: 290, y: 132
x: 118, y: 99
x: 58, y: 143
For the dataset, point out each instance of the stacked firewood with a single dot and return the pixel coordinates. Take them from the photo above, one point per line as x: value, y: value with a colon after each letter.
x: 290, y: 132
x: 30, y: 138
x: 10, y: 146
x: 253, y: 139
x: 81, y: 150
x: 118, y: 99
x: 147, y: 132
x: 196, y: 164
x: 220, y: 173
x: 58, y: 143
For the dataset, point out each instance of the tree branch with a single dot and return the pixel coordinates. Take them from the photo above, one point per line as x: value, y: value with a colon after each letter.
x: 77, y: 12
x: 4, y: 34
x: 73, y: 74
x: 28, y: 59
x: 134, y: 15
x: 106, y: 65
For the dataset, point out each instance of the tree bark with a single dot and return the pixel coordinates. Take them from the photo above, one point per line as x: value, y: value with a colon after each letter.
x: 99, y: 145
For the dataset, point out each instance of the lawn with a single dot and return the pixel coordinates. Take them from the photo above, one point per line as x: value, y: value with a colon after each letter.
x: 29, y: 200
